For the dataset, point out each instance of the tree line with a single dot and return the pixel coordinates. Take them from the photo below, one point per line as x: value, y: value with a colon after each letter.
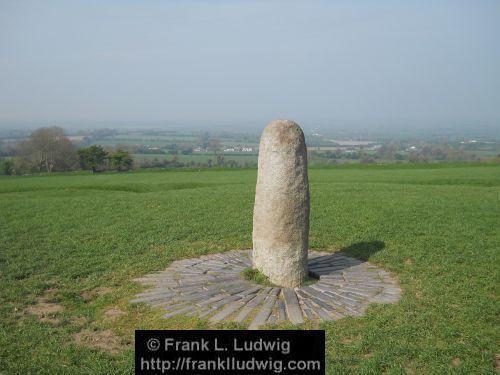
x: 175, y: 162
x: 50, y: 150
x: 389, y: 153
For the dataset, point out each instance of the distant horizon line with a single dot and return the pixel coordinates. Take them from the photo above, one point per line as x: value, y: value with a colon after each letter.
x: 327, y: 124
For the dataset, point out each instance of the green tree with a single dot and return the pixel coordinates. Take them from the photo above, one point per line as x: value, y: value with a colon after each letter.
x: 47, y: 149
x: 92, y: 158
x: 7, y: 167
x: 121, y: 160
x: 220, y: 160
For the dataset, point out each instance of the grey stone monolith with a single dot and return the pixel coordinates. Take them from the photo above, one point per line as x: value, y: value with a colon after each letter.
x: 281, y: 211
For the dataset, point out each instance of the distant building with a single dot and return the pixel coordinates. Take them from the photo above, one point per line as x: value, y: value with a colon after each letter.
x: 239, y: 148
x: 351, y: 143
x: 76, y: 138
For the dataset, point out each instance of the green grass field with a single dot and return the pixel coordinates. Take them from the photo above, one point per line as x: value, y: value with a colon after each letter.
x: 71, y: 244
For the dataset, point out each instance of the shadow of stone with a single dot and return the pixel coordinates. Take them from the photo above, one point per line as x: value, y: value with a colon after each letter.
x: 363, y: 250
x: 347, y: 257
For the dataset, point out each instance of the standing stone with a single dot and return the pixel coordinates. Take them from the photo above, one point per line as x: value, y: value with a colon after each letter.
x: 281, y: 211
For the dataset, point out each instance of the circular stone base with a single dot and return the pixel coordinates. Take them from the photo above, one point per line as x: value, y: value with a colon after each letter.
x: 212, y: 287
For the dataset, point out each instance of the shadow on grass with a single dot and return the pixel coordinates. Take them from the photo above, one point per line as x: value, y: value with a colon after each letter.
x: 363, y: 250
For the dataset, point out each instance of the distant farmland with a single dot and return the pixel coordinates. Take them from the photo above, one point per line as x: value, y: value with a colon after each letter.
x: 199, y: 158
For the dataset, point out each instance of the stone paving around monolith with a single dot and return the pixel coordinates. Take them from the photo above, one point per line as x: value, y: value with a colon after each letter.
x: 212, y: 287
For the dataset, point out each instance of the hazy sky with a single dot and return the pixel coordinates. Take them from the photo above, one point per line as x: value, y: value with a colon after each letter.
x: 370, y: 63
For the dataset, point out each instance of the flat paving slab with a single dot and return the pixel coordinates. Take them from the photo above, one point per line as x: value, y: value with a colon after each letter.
x: 212, y: 287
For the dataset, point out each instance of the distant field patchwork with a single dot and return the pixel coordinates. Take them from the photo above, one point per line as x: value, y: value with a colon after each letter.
x: 199, y: 157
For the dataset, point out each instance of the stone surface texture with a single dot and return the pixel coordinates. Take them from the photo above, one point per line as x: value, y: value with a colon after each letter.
x: 212, y: 287
x: 281, y: 211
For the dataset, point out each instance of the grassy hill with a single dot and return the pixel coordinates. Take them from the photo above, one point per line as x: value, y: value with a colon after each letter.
x: 71, y: 244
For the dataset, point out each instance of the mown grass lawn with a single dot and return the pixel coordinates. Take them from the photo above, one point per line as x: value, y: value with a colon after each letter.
x: 71, y: 244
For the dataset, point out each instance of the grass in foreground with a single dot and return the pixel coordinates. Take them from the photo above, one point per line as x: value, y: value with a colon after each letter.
x: 255, y: 276
x: 70, y: 246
